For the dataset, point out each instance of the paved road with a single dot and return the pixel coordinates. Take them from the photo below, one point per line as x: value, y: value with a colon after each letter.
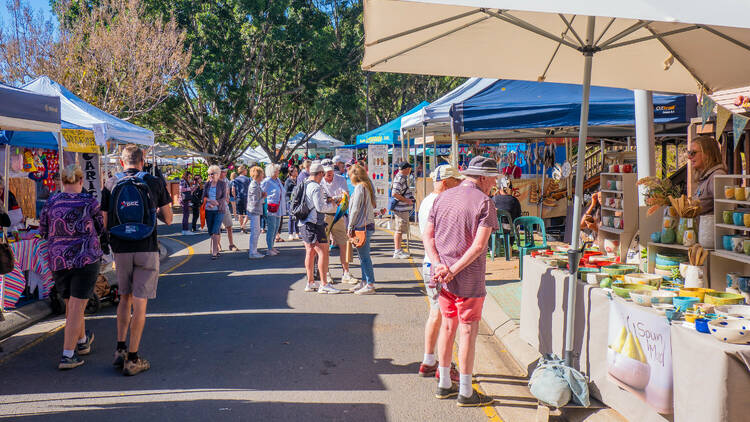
x: 235, y: 339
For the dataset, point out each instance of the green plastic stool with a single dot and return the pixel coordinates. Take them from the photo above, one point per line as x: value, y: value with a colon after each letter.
x: 526, y: 225
x: 501, y: 232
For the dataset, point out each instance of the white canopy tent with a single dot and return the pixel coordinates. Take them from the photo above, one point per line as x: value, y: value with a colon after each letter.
x: 319, y: 140
x: 669, y: 46
x: 254, y: 155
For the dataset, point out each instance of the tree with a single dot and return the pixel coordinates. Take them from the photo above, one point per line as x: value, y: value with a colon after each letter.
x: 109, y: 53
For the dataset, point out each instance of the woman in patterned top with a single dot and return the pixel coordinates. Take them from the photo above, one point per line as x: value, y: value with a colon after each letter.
x: 71, y: 222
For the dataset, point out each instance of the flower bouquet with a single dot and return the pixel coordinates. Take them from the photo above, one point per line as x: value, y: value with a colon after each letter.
x: 658, y: 192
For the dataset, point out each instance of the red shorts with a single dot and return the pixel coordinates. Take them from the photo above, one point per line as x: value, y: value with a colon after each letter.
x: 468, y: 309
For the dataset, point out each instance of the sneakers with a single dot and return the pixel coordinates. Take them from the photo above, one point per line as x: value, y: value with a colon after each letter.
x: 357, y: 286
x: 135, y: 367
x: 368, y: 289
x: 119, y: 359
x: 327, y: 289
x: 85, y: 348
x: 400, y: 254
x: 454, y: 373
x: 428, y: 370
x: 330, y: 278
x: 272, y: 252
x: 70, y: 363
x: 255, y: 256
x: 349, y: 279
x: 311, y: 287
x: 476, y: 400
x: 290, y: 238
x: 447, y: 393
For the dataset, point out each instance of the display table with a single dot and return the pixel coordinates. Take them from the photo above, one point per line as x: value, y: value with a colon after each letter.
x: 30, y: 255
x: 711, y: 378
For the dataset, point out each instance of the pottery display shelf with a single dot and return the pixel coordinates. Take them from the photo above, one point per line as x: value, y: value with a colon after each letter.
x: 655, y: 248
x: 627, y: 195
x: 722, y: 260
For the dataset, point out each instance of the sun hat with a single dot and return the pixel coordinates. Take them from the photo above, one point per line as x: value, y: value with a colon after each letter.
x: 316, y: 168
x: 481, y: 166
x: 445, y: 171
x: 337, y: 159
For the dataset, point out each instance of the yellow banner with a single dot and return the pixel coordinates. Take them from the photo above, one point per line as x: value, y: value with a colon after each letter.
x: 80, y: 140
x: 722, y: 118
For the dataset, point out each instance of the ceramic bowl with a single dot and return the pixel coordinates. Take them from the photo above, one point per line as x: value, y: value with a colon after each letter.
x: 690, y: 316
x: 662, y: 297
x: 641, y: 297
x: 595, y: 278
x: 701, y: 325
x: 583, y: 272
x: 662, y: 308
x: 623, y: 289
x: 641, y: 278
x: 724, y: 298
x: 683, y: 303
x: 734, y: 311
x: 671, y: 261
x: 698, y: 292
x: 730, y: 330
x: 619, y: 269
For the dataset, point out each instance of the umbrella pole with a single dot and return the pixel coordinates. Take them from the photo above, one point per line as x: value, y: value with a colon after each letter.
x: 573, y: 255
x: 424, y: 163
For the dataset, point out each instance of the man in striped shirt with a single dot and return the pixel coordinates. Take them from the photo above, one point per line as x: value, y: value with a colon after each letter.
x: 456, y: 237
x: 401, y: 192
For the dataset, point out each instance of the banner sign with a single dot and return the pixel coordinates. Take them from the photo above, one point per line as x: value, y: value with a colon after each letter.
x: 706, y: 108
x: 346, y: 154
x: 377, y: 166
x: 80, y: 140
x: 91, y: 174
x: 639, y: 354
x: 738, y: 126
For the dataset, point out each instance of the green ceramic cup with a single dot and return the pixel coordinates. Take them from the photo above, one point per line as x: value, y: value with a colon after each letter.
x: 727, y: 216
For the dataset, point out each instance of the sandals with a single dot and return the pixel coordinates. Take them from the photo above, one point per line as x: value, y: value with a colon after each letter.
x: 214, y: 257
x: 279, y: 240
x: 233, y: 248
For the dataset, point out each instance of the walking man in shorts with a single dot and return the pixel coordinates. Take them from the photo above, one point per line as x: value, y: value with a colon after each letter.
x: 313, y: 233
x: 444, y: 177
x: 334, y: 187
x: 400, y: 190
x: 456, y: 236
x: 137, y: 265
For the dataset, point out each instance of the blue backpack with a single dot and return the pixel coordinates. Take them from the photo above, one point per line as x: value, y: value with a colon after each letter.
x: 134, y: 211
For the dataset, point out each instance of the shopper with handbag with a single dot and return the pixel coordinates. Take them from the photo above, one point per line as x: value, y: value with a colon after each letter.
x: 276, y: 205
x: 255, y: 199
x: 72, y: 222
x: 362, y: 226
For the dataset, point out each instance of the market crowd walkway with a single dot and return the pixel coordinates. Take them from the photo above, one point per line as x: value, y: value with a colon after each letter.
x: 235, y: 339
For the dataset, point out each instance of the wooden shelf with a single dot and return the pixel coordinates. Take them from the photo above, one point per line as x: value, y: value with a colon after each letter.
x: 611, y: 191
x: 613, y: 209
x: 732, y: 226
x: 732, y: 201
x: 670, y: 246
x: 734, y: 256
x: 611, y: 230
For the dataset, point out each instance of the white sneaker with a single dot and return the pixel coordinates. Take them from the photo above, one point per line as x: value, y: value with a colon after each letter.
x: 311, y: 287
x: 275, y: 251
x: 330, y: 278
x: 327, y: 289
x: 290, y: 238
x: 367, y: 290
x: 186, y: 233
x: 255, y: 256
x: 349, y: 279
x: 272, y: 253
x: 400, y: 254
x: 357, y: 286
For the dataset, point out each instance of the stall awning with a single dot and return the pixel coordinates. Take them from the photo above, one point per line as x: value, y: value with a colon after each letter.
x: 438, y: 111
x: 80, y: 113
x: 388, y: 134
x: 28, y: 111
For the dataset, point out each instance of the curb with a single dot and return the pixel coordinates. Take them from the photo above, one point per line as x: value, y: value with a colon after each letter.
x: 505, y: 330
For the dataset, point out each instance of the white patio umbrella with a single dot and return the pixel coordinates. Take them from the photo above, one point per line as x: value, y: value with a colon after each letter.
x: 669, y: 46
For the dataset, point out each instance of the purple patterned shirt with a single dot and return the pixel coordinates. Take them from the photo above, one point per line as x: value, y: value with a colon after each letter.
x: 72, y: 223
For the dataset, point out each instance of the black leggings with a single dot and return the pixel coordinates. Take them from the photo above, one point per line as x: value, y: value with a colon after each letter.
x: 196, y: 216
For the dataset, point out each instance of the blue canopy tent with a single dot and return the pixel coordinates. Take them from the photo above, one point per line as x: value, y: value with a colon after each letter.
x: 24, y: 110
x: 387, y: 134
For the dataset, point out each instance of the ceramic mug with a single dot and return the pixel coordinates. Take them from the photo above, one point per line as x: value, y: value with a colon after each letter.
x: 738, y: 218
x: 731, y: 279
x: 747, y: 220
x: 729, y: 192
x: 626, y: 168
x: 618, y: 184
x: 746, y: 246
x: 727, y: 241
x: 617, y: 168
x: 617, y: 221
x: 727, y: 216
x: 739, y: 193
x: 737, y: 244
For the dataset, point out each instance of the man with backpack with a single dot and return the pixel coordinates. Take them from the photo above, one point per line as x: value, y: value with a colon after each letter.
x: 130, y: 201
x: 308, y: 206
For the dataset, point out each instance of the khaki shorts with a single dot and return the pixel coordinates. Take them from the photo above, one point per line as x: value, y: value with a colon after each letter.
x: 432, y: 292
x: 401, y: 218
x: 137, y: 273
x: 338, y: 234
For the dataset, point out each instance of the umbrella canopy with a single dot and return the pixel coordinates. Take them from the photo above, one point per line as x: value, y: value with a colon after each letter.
x: 667, y: 46
x: 80, y: 113
x: 28, y: 111
x: 388, y: 133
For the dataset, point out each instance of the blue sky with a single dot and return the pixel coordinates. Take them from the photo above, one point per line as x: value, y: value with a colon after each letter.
x: 37, y: 5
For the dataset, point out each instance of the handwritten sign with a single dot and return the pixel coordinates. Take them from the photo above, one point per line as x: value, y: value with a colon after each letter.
x: 91, y: 174
x: 639, y: 354
x: 377, y: 166
x: 80, y: 140
x: 345, y: 154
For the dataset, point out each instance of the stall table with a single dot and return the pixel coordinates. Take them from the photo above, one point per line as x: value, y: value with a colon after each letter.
x: 711, y: 378
x: 30, y: 255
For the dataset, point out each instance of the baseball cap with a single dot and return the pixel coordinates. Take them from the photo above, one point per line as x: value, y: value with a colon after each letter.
x: 481, y: 166
x: 445, y: 171
x: 328, y: 168
x: 405, y: 165
x: 337, y: 159
x: 316, y: 168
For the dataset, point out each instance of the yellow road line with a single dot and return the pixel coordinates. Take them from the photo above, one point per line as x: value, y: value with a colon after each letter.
x: 490, y: 411
x: 52, y: 332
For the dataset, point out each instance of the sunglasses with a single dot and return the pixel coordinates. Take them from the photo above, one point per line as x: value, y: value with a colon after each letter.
x: 692, y: 153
